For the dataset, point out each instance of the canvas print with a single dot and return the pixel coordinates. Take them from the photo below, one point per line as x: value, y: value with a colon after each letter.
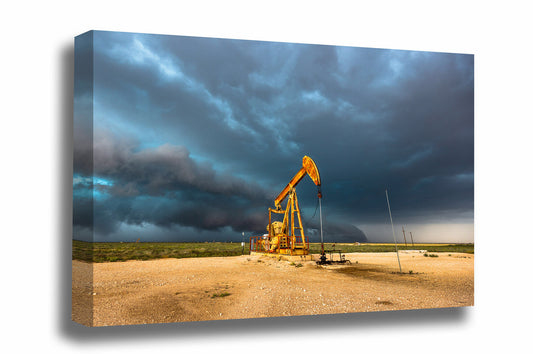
x: 220, y: 179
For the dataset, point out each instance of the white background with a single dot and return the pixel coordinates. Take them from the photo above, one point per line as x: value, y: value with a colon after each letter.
x: 36, y: 106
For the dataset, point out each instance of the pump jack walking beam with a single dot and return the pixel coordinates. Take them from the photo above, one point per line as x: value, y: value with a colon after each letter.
x: 308, y: 167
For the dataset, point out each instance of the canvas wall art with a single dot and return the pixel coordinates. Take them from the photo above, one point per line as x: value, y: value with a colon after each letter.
x: 219, y: 179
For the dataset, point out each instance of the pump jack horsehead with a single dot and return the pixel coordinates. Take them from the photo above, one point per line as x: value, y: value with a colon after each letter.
x: 288, y: 237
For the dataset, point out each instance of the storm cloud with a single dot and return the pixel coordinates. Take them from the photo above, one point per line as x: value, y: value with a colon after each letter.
x: 201, y: 134
x: 162, y: 186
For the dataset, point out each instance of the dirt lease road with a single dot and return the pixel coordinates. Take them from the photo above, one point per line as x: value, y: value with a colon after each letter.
x: 200, y: 289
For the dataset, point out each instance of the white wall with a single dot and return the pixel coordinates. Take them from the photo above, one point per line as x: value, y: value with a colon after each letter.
x: 36, y: 83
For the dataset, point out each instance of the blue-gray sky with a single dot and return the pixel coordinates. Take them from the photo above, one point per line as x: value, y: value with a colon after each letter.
x: 184, y: 138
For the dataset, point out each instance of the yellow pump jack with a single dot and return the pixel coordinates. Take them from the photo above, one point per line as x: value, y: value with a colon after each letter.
x: 288, y: 237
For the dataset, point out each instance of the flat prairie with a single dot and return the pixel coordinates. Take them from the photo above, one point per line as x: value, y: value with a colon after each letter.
x: 220, y: 288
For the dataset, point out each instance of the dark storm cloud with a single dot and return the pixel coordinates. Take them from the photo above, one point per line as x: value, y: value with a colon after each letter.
x: 162, y: 186
x: 168, y: 214
x: 160, y: 170
x: 336, y: 232
x: 206, y: 119
x: 418, y: 141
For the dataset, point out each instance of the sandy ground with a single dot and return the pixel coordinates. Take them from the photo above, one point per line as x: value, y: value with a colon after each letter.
x: 190, y: 289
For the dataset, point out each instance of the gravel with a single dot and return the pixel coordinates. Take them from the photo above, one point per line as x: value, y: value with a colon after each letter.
x: 200, y: 289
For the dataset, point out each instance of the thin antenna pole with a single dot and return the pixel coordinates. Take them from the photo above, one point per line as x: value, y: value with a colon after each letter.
x: 393, y: 234
x: 412, y: 243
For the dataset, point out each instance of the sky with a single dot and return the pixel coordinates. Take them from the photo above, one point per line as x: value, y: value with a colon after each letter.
x: 191, y: 139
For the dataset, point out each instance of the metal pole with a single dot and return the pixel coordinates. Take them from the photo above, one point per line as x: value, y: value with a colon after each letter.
x: 404, y: 240
x: 412, y: 243
x: 321, y: 237
x: 393, y: 234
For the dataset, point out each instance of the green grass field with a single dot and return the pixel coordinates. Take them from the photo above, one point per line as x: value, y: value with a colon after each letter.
x: 383, y: 247
x: 119, y: 252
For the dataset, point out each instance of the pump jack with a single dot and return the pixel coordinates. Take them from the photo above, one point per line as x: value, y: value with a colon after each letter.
x: 282, y: 237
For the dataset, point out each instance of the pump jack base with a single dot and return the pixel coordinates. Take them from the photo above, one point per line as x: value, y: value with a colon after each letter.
x: 285, y: 257
x: 323, y: 260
